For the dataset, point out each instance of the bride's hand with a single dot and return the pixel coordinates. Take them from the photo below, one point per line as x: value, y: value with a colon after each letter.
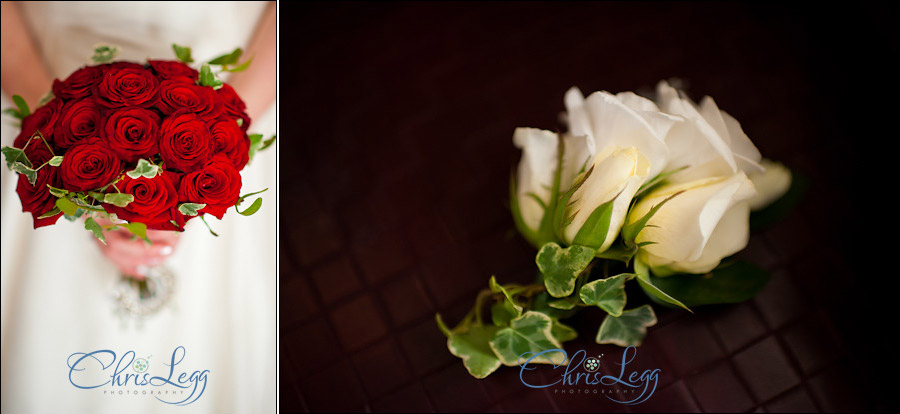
x: 23, y: 70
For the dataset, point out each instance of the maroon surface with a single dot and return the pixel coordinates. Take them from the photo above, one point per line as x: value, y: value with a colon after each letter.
x: 395, y: 158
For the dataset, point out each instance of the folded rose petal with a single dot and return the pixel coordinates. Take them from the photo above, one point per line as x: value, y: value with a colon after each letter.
x: 536, y: 172
x: 770, y: 184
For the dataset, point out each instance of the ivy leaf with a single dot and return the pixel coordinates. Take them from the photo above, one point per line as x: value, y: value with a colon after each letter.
x: 252, y: 209
x: 240, y: 68
x: 563, y: 332
x: 561, y: 267
x: 542, y: 302
x: 607, y: 294
x: 143, y: 168
x: 500, y: 315
x: 733, y: 282
x: 138, y: 229
x: 267, y: 143
x: 66, y: 206
x: 15, y: 155
x: 190, y: 209
x: 25, y: 170
x: 474, y: 348
x: 643, y: 278
x: 628, y: 329
x: 50, y: 213
x: 104, y: 53
x: 56, y: 160
x: 118, y: 199
x: 257, y: 144
x: 526, y: 336
x: 207, y: 78
x: 508, y: 303
x: 22, y: 105
x: 594, y: 230
x: 94, y: 227
x: 78, y: 214
x: 183, y: 53
x: 228, y: 58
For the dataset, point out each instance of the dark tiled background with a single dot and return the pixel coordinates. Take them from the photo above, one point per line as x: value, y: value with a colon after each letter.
x: 395, y: 158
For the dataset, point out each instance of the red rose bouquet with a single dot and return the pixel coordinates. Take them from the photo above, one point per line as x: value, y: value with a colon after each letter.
x: 155, y: 145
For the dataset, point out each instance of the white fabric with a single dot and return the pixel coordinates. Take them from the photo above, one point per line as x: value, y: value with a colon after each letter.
x: 56, y: 284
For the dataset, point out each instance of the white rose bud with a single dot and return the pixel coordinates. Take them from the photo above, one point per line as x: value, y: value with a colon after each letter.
x: 707, y: 221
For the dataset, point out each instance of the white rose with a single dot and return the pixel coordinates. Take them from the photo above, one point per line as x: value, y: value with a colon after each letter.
x: 770, y: 184
x: 695, y: 230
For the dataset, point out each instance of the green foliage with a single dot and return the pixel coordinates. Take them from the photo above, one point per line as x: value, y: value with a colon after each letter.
x: 190, y: 209
x: 22, y: 106
x: 530, y: 333
x: 732, y: 282
x: 143, y: 168
x: 628, y: 329
x: 207, y: 78
x: 561, y: 267
x: 94, y: 227
x: 607, y: 294
x: 183, y: 53
x: 595, y: 229
x: 472, y: 345
x: 118, y: 199
x: 104, y: 53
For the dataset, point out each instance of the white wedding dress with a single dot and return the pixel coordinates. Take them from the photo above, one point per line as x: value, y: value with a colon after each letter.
x: 56, y: 285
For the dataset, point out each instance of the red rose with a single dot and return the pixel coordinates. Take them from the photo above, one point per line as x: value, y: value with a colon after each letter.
x: 79, y: 84
x: 153, y: 200
x: 89, y: 165
x: 217, y: 184
x: 184, y: 142
x: 36, y: 198
x: 78, y: 120
x: 42, y: 119
x: 132, y: 133
x: 168, y: 69
x: 120, y: 65
x: 228, y: 139
x: 176, y: 95
x: 234, y: 106
x: 128, y: 86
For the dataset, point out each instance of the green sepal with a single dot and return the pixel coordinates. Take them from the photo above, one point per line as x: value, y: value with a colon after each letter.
x: 594, y: 230
x: 731, y: 282
x: 526, y: 335
x: 656, y: 181
x: 561, y: 267
x: 607, y: 294
x: 643, y: 278
x: 183, y: 53
x: 630, y: 231
x: 94, y: 227
x: 628, y: 329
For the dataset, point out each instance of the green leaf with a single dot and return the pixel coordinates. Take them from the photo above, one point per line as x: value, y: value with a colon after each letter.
x: 50, y: 213
x: 240, y: 68
x: 228, y: 58
x: 561, y: 267
x: 473, y: 347
x: 252, y: 209
x: 257, y: 144
x: 783, y: 205
x: 66, y: 206
x: 143, y: 168
x: 527, y: 335
x: 104, y: 54
x: 732, y: 282
x: 190, y: 209
x: 22, y: 105
x: 15, y: 155
x: 118, y: 199
x: 508, y: 303
x: 631, y: 231
x: 27, y: 171
x: 94, y: 227
x: 643, y: 278
x: 628, y: 329
x: 267, y: 143
x: 607, y: 294
x: 78, y: 214
x: 138, y: 229
x: 562, y: 332
x: 500, y: 314
x: 56, y: 160
x: 183, y: 53
x: 207, y: 78
x: 594, y: 230
x: 543, y: 303
x: 14, y: 113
